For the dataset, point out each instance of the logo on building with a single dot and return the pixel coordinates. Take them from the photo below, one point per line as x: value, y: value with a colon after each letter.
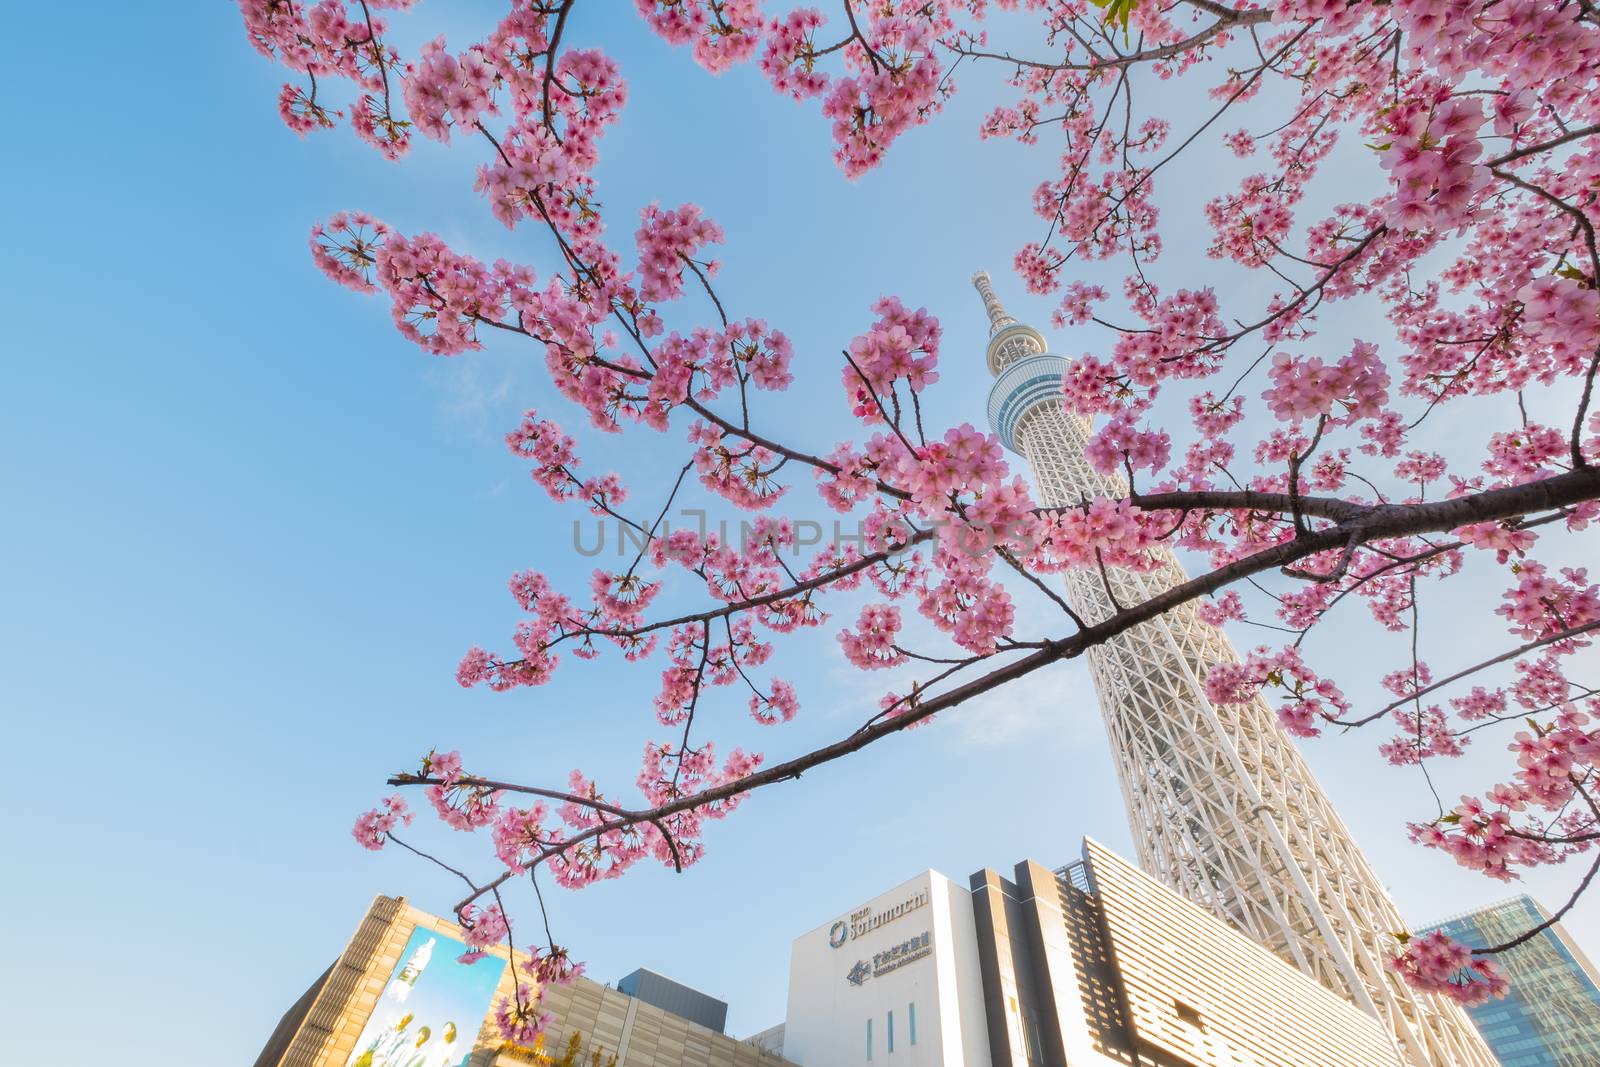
x: 891, y: 959
x: 864, y: 920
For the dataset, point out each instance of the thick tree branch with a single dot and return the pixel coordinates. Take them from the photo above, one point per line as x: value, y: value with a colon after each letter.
x: 1561, y: 490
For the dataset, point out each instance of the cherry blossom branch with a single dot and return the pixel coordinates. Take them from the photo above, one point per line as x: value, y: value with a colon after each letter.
x: 377, y: 54
x: 857, y: 35
x: 549, y: 71
x: 1575, y: 438
x: 1580, y: 219
x: 1535, y: 149
x: 1495, y: 319
x: 1255, y: 75
x: 771, y: 445
x: 1151, y: 55
x: 1555, y: 917
x: 1340, y: 567
x: 724, y: 424
x: 1548, y: 639
x: 1225, y: 12
x: 650, y: 534
x: 1316, y: 287
x: 1560, y: 490
x: 705, y: 283
x: 764, y: 599
x: 1356, y: 524
x: 1038, y: 583
x: 1382, y: 521
x: 431, y: 859
x: 1252, y: 500
x: 1051, y: 652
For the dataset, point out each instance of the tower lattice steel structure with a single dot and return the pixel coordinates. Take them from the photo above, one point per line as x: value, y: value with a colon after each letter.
x: 1222, y: 807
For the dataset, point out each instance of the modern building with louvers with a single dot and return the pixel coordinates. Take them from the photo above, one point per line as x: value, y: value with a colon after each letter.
x: 1551, y: 1017
x: 1087, y: 965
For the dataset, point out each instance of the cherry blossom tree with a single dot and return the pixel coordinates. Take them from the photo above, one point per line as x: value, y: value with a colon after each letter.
x: 1480, y: 124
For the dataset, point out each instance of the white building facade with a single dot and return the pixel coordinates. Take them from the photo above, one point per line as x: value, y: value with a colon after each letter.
x: 895, y: 979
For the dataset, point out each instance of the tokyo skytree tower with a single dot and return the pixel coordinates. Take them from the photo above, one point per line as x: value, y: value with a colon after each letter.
x: 1222, y: 807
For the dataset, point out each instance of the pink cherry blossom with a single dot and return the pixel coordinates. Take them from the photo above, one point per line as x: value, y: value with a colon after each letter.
x: 482, y: 929
x: 372, y: 827
x: 789, y: 59
x: 1228, y: 606
x: 871, y: 643
x: 667, y: 243
x: 518, y: 1018
x: 1438, y: 963
x: 1307, y: 387
x: 1311, y: 479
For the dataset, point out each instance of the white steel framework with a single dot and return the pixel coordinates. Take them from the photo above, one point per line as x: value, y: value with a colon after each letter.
x: 1222, y: 807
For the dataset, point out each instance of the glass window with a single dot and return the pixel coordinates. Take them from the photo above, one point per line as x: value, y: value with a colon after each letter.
x: 911, y: 1021
x: 891, y: 1032
x: 1032, y: 1046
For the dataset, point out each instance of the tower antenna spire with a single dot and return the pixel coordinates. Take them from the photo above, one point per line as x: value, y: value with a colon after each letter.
x: 998, y: 319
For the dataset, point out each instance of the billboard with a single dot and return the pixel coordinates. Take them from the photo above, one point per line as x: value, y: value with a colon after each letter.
x: 431, y: 1008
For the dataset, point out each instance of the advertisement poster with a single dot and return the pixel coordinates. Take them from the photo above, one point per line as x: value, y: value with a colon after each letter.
x: 431, y: 1008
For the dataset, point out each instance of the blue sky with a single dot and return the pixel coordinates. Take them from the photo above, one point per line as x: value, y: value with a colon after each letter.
x: 251, y: 530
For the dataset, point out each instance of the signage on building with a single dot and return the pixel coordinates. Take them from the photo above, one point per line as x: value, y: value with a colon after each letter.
x: 864, y: 920
x: 430, y: 1011
x: 891, y: 959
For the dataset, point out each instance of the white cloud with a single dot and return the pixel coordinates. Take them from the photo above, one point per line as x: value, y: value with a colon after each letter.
x: 1054, y: 705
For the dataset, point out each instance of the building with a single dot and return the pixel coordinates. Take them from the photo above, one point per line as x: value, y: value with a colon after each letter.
x: 768, y: 1040
x: 856, y: 983
x: 1551, y: 1017
x: 1222, y: 807
x: 398, y: 997
x: 1090, y: 965
x: 675, y: 997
